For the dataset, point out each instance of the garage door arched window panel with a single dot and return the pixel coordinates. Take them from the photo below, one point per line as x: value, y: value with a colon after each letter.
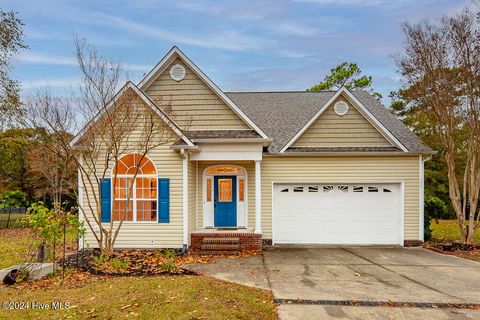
x: 357, y: 188
x: 135, y: 189
x: 327, y: 188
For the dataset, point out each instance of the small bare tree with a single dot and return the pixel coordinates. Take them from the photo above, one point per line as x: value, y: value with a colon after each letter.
x: 48, y: 158
x: 118, y: 122
x: 441, y: 68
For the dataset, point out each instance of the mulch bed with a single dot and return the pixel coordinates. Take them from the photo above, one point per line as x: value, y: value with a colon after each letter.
x: 138, y: 262
x: 465, y: 251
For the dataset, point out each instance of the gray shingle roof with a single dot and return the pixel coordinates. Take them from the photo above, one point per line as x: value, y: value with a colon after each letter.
x: 282, y: 114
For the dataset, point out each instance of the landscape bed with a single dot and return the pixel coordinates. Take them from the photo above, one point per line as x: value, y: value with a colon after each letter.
x: 445, y: 239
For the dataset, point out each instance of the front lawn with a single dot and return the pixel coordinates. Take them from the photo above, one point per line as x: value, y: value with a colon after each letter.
x: 155, y: 297
x: 448, y: 231
x: 14, y: 246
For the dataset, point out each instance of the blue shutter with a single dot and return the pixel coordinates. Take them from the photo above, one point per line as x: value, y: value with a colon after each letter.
x: 106, y: 197
x: 164, y: 200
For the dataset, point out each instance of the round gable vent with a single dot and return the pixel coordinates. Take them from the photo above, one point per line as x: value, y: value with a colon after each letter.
x: 177, y: 72
x: 341, y: 108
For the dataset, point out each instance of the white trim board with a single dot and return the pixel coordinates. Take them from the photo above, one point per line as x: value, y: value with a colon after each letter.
x: 169, y: 57
x: 146, y: 100
x: 368, y: 115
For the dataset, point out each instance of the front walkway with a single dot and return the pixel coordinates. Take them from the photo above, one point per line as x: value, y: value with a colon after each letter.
x: 329, y: 278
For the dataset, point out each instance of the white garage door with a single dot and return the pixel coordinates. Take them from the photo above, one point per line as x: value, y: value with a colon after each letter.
x: 337, y: 214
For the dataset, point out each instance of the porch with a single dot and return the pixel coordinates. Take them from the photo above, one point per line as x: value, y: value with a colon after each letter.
x: 224, y: 198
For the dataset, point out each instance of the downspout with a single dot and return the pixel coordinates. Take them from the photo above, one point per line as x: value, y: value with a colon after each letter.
x: 81, y: 239
x: 184, y: 155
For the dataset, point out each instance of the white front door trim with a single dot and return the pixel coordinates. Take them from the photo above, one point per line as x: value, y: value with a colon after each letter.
x: 242, y: 206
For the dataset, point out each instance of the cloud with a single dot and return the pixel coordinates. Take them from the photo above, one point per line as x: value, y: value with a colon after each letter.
x: 63, y: 83
x: 345, y: 2
x: 296, y: 29
x: 34, y: 58
x: 230, y: 40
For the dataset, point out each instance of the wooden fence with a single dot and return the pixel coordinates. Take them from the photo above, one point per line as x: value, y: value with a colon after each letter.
x: 9, y: 217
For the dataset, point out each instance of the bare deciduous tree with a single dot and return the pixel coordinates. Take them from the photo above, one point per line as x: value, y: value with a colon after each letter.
x: 441, y: 68
x: 118, y: 123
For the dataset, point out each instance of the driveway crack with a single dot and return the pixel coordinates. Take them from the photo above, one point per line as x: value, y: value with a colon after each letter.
x: 401, y: 275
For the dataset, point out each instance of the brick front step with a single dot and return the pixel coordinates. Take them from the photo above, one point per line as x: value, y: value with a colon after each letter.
x: 221, y: 240
x: 207, y: 253
x: 220, y: 247
x: 243, y: 241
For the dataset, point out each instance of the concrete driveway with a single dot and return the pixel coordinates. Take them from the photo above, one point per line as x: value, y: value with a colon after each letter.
x: 309, y: 283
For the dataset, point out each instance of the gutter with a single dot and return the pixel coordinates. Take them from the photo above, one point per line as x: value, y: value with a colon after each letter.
x: 316, y: 154
x: 266, y: 142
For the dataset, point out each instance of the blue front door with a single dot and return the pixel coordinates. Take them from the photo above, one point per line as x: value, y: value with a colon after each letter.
x: 225, y: 197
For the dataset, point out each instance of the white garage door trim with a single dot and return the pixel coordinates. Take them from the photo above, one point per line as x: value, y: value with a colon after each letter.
x: 401, y: 206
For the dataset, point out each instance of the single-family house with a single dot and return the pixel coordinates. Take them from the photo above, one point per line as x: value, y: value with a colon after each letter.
x: 253, y: 168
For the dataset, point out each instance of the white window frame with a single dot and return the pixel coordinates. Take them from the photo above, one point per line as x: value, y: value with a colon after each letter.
x: 134, y: 193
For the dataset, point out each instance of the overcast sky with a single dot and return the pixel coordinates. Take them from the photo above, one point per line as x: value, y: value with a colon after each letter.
x: 241, y: 45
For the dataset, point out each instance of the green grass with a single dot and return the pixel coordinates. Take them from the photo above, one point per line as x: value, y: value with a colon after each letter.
x: 181, y: 297
x: 18, y: 245
x: 14, y: 246
x: 448, y: 230
x: 14, y: 220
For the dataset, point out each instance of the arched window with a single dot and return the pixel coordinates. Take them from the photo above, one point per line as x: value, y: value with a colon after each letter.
x: 135, y: 186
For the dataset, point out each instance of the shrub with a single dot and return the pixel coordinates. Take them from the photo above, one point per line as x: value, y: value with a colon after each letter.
x: 168, y: 266
x: 119, y: 264
x: 435, y: 208
x: 169, y: 253
x: 13, y: 199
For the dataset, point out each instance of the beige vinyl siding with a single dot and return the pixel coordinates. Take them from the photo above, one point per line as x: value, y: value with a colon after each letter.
x: 139, y: 234
x: 192, y: 187
x: 350, y: 130
x: 344, y: 169
x: 249, y: 166
x: 194, y: 105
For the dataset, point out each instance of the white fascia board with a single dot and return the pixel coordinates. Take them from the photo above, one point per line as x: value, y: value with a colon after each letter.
x: 163, y: 63
x: 148, y: 101
x: 369, y: 116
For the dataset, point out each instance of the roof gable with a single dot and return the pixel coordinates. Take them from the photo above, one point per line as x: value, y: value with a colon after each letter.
x: 368, y: 115
x: 349, y: 130
x: 187, y: 101
x: 131, y: 86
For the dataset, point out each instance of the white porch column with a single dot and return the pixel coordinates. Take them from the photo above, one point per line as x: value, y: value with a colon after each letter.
x: 258, y: 197
x: 185, y: 197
